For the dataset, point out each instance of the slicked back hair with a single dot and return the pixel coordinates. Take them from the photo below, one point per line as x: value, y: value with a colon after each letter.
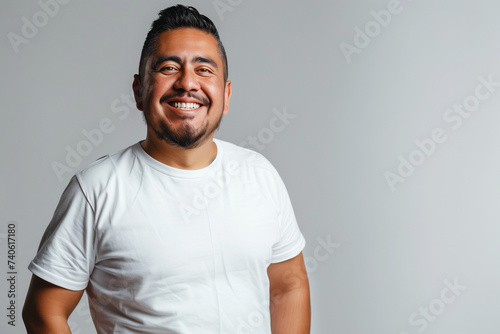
x: 174, y: 17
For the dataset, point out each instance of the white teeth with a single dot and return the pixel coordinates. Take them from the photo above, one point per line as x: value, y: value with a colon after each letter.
x: 187, y: 106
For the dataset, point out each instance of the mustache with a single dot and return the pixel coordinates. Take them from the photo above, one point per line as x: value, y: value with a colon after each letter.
x: 192, y: 95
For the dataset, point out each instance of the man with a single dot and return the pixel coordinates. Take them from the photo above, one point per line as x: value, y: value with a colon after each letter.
x: 181, y: 232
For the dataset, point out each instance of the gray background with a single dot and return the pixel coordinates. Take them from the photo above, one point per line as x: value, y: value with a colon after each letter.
x: 394, y: 248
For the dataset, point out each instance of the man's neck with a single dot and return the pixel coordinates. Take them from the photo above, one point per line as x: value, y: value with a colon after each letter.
x: 179, y: 157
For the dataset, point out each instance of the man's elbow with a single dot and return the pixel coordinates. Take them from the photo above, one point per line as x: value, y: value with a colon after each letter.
x: 30, y: 318
x: 36, y: 324
x: 33, y: 320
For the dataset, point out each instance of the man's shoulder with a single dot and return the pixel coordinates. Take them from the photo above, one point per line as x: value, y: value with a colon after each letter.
x: 109, y: 166
x: 245, y: 156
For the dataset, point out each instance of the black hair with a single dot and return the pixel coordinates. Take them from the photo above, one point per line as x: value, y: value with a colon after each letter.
x: 174, y: 17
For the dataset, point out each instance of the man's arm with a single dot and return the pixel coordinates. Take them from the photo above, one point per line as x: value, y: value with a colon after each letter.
x: 290, y: 302
x: 48, y: 306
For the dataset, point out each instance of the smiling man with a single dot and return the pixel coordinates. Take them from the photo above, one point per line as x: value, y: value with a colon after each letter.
x: 181, y: 232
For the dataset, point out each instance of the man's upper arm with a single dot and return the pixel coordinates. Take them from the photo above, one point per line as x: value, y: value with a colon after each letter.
x: 48, y: 306
x: 290, y: 304
x: 287, y: 276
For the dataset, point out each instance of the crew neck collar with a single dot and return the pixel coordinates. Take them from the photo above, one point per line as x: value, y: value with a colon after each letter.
x: 178, y: 172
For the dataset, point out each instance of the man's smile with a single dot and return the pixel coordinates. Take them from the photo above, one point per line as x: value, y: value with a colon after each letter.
x: 184, y: 106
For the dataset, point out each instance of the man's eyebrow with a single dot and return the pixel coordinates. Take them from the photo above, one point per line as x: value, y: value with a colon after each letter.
x: 200, y: 59
x: 164, y: 59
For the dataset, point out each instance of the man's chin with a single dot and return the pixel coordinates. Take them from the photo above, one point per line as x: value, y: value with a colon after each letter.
x: 185, y: 138
x: 186, y: 143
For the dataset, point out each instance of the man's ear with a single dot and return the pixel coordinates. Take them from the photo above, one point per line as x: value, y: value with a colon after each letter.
x: 137, y: 87
x: 227, y: 96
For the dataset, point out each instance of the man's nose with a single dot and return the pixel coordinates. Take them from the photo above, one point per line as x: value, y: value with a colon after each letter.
x: 187, y: 81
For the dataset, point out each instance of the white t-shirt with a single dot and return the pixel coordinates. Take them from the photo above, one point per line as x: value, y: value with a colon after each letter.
x: 167, y: 250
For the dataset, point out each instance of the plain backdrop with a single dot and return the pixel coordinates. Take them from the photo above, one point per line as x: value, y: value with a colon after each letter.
x: 396, y: 187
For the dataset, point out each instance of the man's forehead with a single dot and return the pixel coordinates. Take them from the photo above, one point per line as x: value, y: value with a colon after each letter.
x: 186, y: 39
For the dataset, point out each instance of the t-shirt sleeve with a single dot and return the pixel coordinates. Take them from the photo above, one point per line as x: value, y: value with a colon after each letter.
x: 291, y: 241
x: 66, y: 253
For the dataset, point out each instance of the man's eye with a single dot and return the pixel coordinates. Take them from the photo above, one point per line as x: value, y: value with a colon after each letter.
x: 167, y: 68
x: 204, y: 71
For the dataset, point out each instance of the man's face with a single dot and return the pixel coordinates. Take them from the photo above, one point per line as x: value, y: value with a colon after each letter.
x: 183, y: 94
